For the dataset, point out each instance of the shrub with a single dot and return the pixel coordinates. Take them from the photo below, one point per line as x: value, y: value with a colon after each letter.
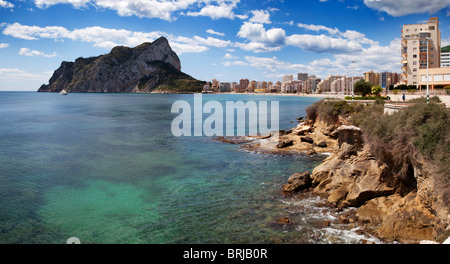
x: 363, y: 88
x: 376, y: 90
x: 396, y: 140
x: 329, y: 111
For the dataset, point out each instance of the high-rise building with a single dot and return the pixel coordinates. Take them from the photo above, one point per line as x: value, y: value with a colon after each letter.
x: 286, y: 80
x: 385, y: 79
x: 215, y: 85
x: 243, y: 85
x: 445, y: 57
x: 415, y: 47
x: 302, y: 77
x: 372, y: 77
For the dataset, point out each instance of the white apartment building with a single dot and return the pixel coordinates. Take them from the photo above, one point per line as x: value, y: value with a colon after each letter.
x: 445, y: 59
x: 414, y: 49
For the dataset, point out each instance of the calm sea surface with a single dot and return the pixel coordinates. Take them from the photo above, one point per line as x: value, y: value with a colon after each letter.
x: 106, y: 168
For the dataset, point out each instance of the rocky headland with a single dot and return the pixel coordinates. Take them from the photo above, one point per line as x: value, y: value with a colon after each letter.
x: 149, y: 67
x: 401, y: 202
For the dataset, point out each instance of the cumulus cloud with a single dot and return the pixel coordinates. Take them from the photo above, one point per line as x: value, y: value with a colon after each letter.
x: 398, y: 8
x: 323, y: 44
x: 261, y: 40
x: 32, y: 53
x: 373, y: 57
x: 6, y: 4
x: 260, y: 16
x: 108, y: 38
x: 212, y: 32
x: 4, y: 45
x: 318, y: 28
x: 162, y: 9
x: 222, y: 10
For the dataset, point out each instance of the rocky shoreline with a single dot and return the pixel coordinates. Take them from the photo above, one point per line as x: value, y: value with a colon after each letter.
x: 352, y: 179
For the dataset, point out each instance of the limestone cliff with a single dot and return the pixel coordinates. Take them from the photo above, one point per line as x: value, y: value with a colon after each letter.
x: 408, y: 211
x: 353, y: 177
x: 146, y: 68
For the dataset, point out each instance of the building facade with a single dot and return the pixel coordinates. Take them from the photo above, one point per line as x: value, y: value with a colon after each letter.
x: 415, y: 47
x: 445, y: 59
x: 372, y: 77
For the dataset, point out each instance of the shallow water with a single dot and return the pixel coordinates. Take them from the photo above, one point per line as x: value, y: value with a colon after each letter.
x: 106, y: 168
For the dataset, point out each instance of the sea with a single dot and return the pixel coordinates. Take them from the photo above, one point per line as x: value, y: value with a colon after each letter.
x: 106, y: 169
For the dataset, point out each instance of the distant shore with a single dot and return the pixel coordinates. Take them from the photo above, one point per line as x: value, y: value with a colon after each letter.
x: 337, y: 96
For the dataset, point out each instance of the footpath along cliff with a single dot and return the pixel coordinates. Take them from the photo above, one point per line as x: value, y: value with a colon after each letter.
x: 393, y: 169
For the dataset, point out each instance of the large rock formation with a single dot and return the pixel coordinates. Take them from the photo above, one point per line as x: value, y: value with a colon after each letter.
x: 149, y: 67
x: 352, y: 177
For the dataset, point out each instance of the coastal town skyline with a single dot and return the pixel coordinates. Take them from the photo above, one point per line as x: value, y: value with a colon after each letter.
x: 227, y: 40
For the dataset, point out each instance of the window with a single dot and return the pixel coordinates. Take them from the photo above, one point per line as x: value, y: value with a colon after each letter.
x: 415, y: 69
x: 431, y: 28
x: 414, y: 62
x: 438, y: 78
x: 415, y: 56
x: 446, y: 77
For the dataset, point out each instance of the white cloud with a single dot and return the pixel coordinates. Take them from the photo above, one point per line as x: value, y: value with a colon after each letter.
x: 4, y: 45
x: 14, y: 74
x: 108, y: 38
x: 318, y: 28
x: 212, y: 32
x: 229, y: 56
x: 375, y: 57
x: 223, y: 10
x: 162, y: 9
x: 6, y: 4
x: 211, y: 42
x: 260, y: 16
x: 398, y: 8
x: 261, y: 40
x: 234, y: 63
x: 32, y: 53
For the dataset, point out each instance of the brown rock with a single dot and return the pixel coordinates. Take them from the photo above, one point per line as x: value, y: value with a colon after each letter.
x: 285, y: 144
x: 297, y: 182
x: 284, y: 221
x: 322, y: 224
x: 322, y: 144
x: 337, y: 196
x: 307, y: 140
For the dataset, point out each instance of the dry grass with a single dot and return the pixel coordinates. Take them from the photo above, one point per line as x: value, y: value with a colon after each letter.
x: 397, y: 140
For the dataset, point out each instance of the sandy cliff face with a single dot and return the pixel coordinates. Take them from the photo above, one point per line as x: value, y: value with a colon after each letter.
x: 352, y: 177
x: 144, y: 68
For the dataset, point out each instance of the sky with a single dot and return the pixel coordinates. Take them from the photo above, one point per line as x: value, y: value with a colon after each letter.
x: 215, y: 39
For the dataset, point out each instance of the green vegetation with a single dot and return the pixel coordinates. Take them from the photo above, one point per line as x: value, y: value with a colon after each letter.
x: 169, y: 79
x: 329, y: 111
x: 398, y: 139
x: 376, y: 90
x: 366, y: 98
x: 363, y: 88
x: 445, y: 49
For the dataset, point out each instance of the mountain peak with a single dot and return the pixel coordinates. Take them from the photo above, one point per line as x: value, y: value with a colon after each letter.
x: 145, y: 68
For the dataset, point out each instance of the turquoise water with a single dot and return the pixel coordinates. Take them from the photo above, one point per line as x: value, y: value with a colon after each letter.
x: 106, y: 168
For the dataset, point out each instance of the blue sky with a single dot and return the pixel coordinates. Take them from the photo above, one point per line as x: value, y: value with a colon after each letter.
x: 223, y: 39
